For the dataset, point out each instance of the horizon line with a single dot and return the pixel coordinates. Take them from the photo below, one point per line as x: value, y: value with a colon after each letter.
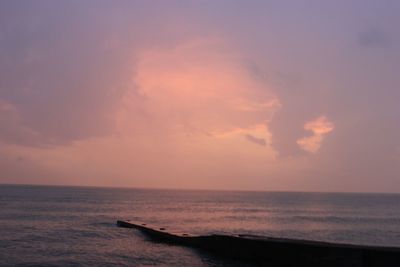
x: 200, y: 189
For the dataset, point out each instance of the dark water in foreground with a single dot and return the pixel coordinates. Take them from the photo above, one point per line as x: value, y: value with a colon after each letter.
x: 75, y: 226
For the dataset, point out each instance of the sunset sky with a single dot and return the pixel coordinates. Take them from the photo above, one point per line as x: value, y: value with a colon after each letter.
x: 248, y: 95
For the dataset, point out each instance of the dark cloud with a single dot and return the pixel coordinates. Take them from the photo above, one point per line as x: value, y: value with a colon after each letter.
x: 256, y: 140
x: 373, y: 37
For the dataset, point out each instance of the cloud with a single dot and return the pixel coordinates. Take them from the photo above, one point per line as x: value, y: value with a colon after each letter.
x: 184, y: 116
x: 199, y: 86
x: 255, y: 140
x: 373, y: 37
x: 319, y: 127
x: 258, y: 134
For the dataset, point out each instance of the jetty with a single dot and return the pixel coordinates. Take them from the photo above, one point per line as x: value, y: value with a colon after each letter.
x: 263, y: 251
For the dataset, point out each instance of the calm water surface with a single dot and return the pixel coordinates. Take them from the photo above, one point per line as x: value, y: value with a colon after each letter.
x: 75, y: 226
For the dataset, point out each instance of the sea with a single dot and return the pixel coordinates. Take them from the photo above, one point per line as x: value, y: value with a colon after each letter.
x: 76, y: 226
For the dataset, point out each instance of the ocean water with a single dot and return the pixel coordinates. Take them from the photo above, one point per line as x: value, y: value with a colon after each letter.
x: 76, y: 226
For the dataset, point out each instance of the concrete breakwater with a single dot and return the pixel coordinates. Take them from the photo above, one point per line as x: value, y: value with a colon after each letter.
x: 264, y: 251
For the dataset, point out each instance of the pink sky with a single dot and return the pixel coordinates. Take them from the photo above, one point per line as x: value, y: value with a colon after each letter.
x: 211, y: 95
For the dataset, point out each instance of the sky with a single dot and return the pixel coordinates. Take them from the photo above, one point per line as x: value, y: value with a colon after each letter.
x: 234, y: 95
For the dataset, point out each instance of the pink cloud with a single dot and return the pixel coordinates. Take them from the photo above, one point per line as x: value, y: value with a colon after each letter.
x: 319, y: 127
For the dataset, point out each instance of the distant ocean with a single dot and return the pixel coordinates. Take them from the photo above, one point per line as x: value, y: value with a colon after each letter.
x: 76, y: 226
